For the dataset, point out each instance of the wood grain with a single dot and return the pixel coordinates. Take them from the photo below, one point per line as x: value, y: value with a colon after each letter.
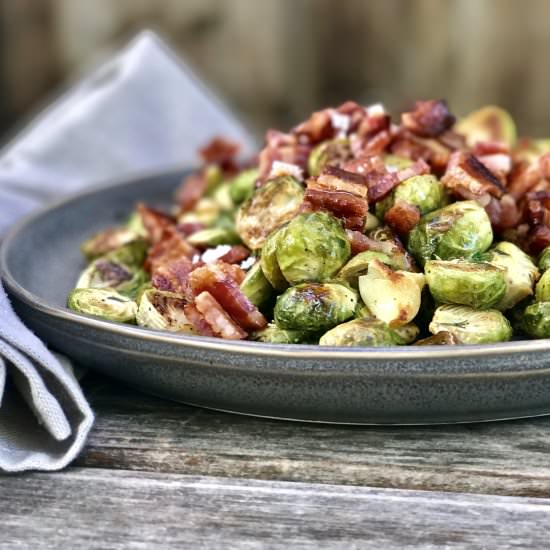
x: 138, y: 432
x: 106, y: 509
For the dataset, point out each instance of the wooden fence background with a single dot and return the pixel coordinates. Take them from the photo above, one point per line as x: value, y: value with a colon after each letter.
x: 276, y: 60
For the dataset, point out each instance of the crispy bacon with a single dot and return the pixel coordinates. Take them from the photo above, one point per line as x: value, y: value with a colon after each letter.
x: 410, y: 146
x: 504, y: 213
x: 191, y: 191
x: 380, y: 185
x: 188, y: 228
x: 173, y: 276
x: 402, y: 217
x: 196, y: 318
x: 452, y: 140
x: 538, y: 239
x: 429, y: 118
x: 318, y: 127
x: 483, y: 148
x: 365, y: 165
x: 222, y: 152
x: 171, y: 246
x: 360, y: 242
x: 155, y: 222
x: 544, y: 166
x: 237, y: 254
x: 523, y: 179
x: 372, y: 125
x: 217, y: 318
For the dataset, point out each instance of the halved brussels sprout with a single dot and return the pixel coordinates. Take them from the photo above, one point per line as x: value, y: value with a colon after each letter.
x: 242, y: 186
x: 256, y: 287
x: 471, y: 326
x: 535, y: 320
x: 368, y: 333
x: 394, y: 163
x: 426, y: 192
x: 459, y: 230
x: 521, y: 273
x: 132, y: 254
x: 442, y: 338
x: 315, y: 307
x: 328, y: 152
x: 268, y: 261
x: 206, y: 211
x: 272, y: 334
x: 388, y: 243
x: 544, y: 259
x: 222, y: 196
x: 105, y: 273
x: 312, y: 247
x: 162, y: 310
x: 270, y: 207
x: 542, y: 290
x: 107, y: 241
x: 105, y: 303
x: 392, y: 296
x: 476, y: 284
x: 489, y: 123
x: 214, y: 237
x: 135, y: 224
x: 359, y: 265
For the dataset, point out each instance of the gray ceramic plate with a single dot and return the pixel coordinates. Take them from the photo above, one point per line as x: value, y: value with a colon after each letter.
x: 40, y: 261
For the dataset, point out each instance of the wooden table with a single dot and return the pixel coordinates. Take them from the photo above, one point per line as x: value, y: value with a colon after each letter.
x: 157, y: 474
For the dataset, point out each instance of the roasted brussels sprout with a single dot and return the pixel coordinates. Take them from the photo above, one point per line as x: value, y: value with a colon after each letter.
x: 521, y: 273
x: 207, y: 211
x: 459, y: 230
x: 107, y: 241
x: 214, y: 236
x: 542, y: 290
x: 535, y: 320
x: 328, y: 152
x: 162, y: 310
x: 132, y: 254
x: 476, y: 284
x: 214, y: 176
x: 471, y: 326
x: 105, y: 303
x: 368, y: 333
x: 222, y: 196
x: 359, y: 265
x: 488, y: 124
x: 544, y: 259
x: 272, y: 334
x: 242, y: 186
x: 312, y: 247
x: 392, y: 296
x: 270, y: 207
x: 388, y: 243
x: 135, y: 224
x: 268, y: 261
x: 442, y: 338
x: 315, y: 307
x: 256, y: 287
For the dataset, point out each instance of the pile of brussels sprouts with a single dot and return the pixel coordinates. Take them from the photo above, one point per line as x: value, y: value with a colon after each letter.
x: 448, y: 281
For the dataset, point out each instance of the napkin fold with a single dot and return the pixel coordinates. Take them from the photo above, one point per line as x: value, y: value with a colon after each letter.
x: 142, y: 111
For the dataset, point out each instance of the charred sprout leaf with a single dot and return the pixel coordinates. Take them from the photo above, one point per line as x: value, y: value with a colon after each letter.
x: 256, y: 287
x: 328, y: 152
x: 442, y: 338
x: 359, y: 265
x: 107, y: 241
x: 471, y: 326
x: 315, y: 307
x: 542, y: 290
x: 535, y: 321
x: 163, y: 311
x: 214, y: 236
x: 521, y: 273
x: 268, y: 261
x: 392, y: 296
x: 476, y: 284
x: 312, y: 247
x: 270, y: 207
x: 488, y: 124
x: 368, y: 333
x: 544, y: 259
x: 459, y: 230
x: 105, y: 303
x: 242, y: 186
x: 272, y: 334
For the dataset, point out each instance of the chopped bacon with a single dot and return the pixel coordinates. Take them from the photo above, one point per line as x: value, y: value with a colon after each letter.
x: 217, y: 318
x: 483, y: 148
x: 196, y: 318
x: 499, y: 164
x: 523, y: 179
x: 503, y: 213
x: 191, y: 191
x: 318, y: 127
x: 355, y: 112
x: 380, y: 185
x: 360, y: 243
x: 365, y: 165
x: 171, y: 246
x: 429, y: 118
x: 402, y: 217
x: 237, y: 254
x: 337, y: 179
x: 377, y: 143
x: 222, y: 152
x: 188, y: 228
x: 410, y: 146
x: 538, y: 239
x: 452, y: 140
x: 155, y: 222
x: 173, y: 276
x: 373, y: 125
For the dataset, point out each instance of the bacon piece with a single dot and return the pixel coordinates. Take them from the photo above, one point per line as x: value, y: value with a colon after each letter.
x: 410, y: 146
x: 191, y: 191
x: 196, y: 318
x: 538, y: 239
x: 372, y: 125
x: 155, y: 222
x: 318, y: 127
x: 503, y: 213
x: 222, y: 152
x: 171, y: 246
x: 377, y: 143
x: 188, y: 228
x: 360, y: 243
x: 380, y: 185
x: 429, y: 118
x: 452, y: 140
x: 365, y: 165
x: 217, y: 318
x: 237, y: 254
x: 337, y: 179
x: 173, y: 276
x: 523, y: 179
x: 402, y: 217
x: 483, y: 148
x: 355, y: 112
x: 499, y: 164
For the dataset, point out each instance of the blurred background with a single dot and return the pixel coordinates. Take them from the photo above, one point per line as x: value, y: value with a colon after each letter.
x: 277, y: 60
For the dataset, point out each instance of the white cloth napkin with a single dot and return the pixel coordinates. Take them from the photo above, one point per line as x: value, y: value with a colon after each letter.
x: 142, y: 111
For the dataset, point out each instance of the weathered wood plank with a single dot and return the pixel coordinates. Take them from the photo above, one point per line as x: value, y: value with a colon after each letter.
x: 118, y: 509
x: 139, y: 432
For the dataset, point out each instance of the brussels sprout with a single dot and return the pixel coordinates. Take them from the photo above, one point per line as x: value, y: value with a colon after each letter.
x: 256, y: 287
x: 544, y: 259
x: 214, y: 237
x: 270, y: 207
x: 222, y: 196
x: 388, y: 243
x: 312, y: 247
x: 535, y: 321
x: 132, y: 254
x: 207, y: 211
x: 242, y: 186
x: 328, y: 152
x: 315, y: 307
x: 135, y: 224
x: 106, y: 303
x: 392, y: 296
x: 521, y: 273
x: 272, y: 334
x: 394, y: 163
x: 459, y: 230
x: 488, y: 124
x: 425, y: 192
x: 471, y: 326
x: 442, y: 338
x: 359, y: 265
x: 268, y: 261
x: 162, y: 310
x: 368, y: 333
x: 542, y: 290
x: 107, y: 241
x: 475, y: 284
x: 214, y: 176
x: 104, y: 273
